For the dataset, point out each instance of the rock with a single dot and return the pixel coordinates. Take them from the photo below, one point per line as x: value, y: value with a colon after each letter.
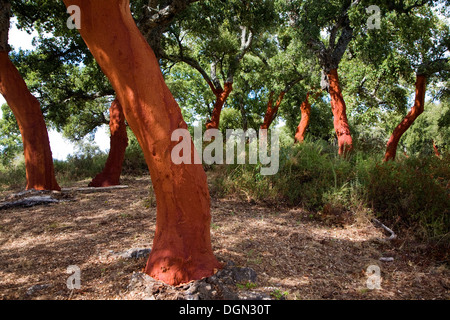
x: 135, y: 253
x: 221, y: 286
x: 386, y: 259
x: 28, y: 202
x: 37, y: 287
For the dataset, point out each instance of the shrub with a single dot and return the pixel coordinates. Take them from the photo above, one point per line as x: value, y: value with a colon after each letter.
x: 412, y: 192
x: 409, y: 193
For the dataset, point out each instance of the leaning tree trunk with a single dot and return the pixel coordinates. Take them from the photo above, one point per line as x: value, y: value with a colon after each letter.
x: 110, y: 176
x: 416, y: 110
x: 305, y: 109
x: 26, y: 108
x: 182, y: 248
x: 221, y: 98
x: 339, y: 109
x: 272, y: 110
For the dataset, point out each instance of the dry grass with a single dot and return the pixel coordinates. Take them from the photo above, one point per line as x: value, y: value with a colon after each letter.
x: 294, y: 255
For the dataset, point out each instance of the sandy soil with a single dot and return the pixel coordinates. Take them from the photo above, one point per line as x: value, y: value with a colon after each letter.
x: 295, y: 255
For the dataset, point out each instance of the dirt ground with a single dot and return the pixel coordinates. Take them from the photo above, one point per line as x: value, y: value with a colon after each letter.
x: 294, y: 255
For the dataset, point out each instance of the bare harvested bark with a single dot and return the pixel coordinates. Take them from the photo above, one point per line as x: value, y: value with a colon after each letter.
x: 436, y: 150
x: 221, y: 98
x: 182, y: 249
x: 305, y: 109
x: 272, y: 110
x: 412, y: 115
x: 27, y: 111
x: 110, y: 176
x: 339, y: 110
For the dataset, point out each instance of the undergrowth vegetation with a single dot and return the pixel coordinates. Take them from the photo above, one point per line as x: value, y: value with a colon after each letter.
x: 409, y: 193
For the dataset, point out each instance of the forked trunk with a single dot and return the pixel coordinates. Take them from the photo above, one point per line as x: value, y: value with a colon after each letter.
x: 339, y: 110
x: 26, y: 108
x: 416, y: 110
x: 110, y: 176
x: 221, y: 98
x: 272, y: 110
x: 305, y: 109
x: 182, y: 249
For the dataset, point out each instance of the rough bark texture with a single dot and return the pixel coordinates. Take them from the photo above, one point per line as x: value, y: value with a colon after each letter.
x: 416, y: 110
x: 110, y: 176
x: 305, y: 109
x: 182, y: 248
x: 26, y: 108
x: 339, y: 109
x: 221, y: 98
x: 5, y: 12
x: 272, y: 110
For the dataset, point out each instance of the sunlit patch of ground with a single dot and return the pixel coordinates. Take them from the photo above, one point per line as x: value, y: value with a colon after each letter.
x: 294, y: 256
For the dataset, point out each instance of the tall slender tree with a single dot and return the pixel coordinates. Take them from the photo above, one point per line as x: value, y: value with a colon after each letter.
x: 26, y: 108
x: 182, y: 248
x: 314, y: 19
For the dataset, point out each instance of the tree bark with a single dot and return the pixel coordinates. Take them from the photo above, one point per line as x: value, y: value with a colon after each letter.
x: 272, y: 110
x: 221, y: 98
x: 305, y: 109
x: 110, y: 176
x: 416, y: 110
x: 436, y: 150
x: 339, y: 110
x: 26, y: 108
x: 182, y: 249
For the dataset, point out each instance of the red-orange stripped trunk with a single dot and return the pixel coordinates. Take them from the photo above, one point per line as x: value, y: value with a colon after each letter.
x: 110, y: 176
x: 272, y: 109
x: 339, y: 109
x: 436, y: 150
x: 305, y: 109
x: 26, y: 108
x: 221, y: 98
x: 416, y: 110
x: 182, y: 249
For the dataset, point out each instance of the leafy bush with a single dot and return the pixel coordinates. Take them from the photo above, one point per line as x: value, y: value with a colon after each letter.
x: 411, y: 192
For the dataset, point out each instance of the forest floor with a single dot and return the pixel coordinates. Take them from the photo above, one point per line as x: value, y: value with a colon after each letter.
x: 295, y: 255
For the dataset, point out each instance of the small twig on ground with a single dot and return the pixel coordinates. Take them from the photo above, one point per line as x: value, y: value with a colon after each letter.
x: 392, y: 233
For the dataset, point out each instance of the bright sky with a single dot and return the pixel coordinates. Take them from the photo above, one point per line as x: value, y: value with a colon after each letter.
x: 61, y: 147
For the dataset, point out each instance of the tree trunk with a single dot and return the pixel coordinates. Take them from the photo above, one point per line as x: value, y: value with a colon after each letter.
x: 339, y: 109
x: 182, y: 248
x: 110, y: 176
x: 26, y: 108
x: 436, y: 150
x: 305, y: 109
x: 272, y: 110
x: 221, y: 98
x: 417, y: 109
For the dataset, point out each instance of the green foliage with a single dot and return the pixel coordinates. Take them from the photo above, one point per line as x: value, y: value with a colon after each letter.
x: 87, y: 162
x: 12, y: 176
x: 432, y: 126
x: 10, y: 139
